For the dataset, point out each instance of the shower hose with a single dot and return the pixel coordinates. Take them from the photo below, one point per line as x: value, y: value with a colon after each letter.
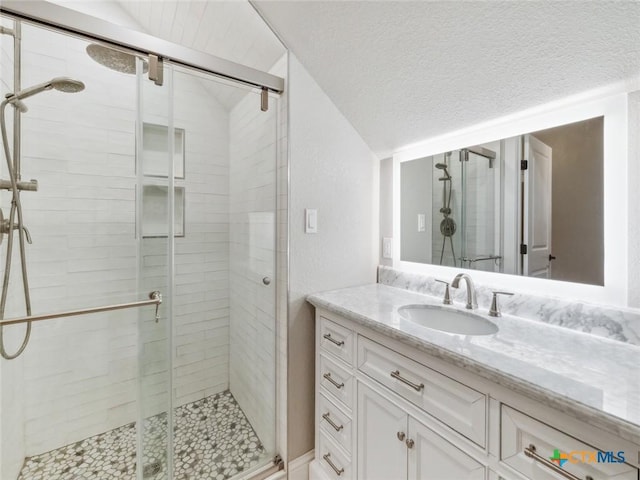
x: 16, y: 211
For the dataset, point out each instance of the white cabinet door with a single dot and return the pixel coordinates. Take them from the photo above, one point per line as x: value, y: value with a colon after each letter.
x: 431, y: 457
x: 382, y: 432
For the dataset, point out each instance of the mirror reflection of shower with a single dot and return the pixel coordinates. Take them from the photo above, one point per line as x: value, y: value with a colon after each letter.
x: 447, y: 224
x: 15, y: 219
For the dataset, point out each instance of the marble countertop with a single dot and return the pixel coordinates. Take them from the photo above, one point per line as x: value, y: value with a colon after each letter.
x: 594, y: 379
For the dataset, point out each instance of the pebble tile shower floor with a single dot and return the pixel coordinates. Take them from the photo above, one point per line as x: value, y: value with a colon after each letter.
x: 213, y: 441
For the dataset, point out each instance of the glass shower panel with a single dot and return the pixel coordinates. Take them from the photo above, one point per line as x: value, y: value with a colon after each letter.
x: 481, y: 210
x: 224, y: 314
x: 156, y: 231
x: 75, y: 388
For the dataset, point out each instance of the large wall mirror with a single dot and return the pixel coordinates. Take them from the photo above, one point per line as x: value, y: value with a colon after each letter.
x: 529, y: 205
x: 536, y: 202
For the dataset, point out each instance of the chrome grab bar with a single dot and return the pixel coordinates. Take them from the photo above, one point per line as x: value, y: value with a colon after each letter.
x: 530, y: 452
x: 337, y: 428
x: 332, y: 340
x: 335, y: 469
x: 335, y: 384
x: 396, y: 374
x: 155, y: 298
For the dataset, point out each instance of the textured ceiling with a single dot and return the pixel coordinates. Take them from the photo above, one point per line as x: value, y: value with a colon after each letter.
x: 402, y: 72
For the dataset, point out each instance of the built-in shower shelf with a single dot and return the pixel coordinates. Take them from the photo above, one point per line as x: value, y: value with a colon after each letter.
x: 155, y: 148
x: 155, y: 211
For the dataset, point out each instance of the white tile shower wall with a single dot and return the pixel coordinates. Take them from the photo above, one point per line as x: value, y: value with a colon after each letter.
x: 79, y: 373
x: 254, y: 149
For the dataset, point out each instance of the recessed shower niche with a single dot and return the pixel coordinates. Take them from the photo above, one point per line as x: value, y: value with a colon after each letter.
x: 155, y: 211
x: 155, y: 189
x: 155, y: 139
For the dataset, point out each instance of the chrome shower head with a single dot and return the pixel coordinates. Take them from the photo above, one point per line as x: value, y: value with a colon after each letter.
x: 62, y: 84
x: 443, y: 166
x: 117, y: 60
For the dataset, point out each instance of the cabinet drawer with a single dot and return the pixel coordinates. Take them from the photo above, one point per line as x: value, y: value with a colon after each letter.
x: 337, y: 340
x: 455, y: 404
x: 336, y: 381
x: 334, y: 462
x: 522, y: 434
x: 334, y: 422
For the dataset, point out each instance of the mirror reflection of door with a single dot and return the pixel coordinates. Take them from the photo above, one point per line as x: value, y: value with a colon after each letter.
x: 537, y: 209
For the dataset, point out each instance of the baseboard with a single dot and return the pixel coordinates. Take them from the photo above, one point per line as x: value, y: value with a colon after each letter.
x: 299, y: 467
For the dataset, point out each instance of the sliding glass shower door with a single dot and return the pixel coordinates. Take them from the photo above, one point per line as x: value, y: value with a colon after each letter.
x: 142, y: 188
x: 207, y: 177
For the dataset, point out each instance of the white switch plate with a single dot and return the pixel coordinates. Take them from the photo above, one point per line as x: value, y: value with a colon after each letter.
x: 310, y: 220
x: 421, y: 222
x: 387, y: 247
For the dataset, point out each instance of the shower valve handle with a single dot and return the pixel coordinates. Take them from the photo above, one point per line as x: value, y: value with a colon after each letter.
x: 447, y: 293
x: 6, y: 228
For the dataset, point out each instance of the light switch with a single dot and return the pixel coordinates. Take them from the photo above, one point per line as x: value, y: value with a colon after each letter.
x: 421, y: 222
x: 387, y: 247
x: 310, y: 220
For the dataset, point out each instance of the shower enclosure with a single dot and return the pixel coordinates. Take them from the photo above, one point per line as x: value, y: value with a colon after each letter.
x: 139, y: 186
x: 466, y: 209
x: 455, y: 197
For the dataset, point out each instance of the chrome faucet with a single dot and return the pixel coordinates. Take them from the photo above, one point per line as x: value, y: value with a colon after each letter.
x: 471, y: 289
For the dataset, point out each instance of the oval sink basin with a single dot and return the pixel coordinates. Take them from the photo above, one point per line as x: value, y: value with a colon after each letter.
x: 445, y: 320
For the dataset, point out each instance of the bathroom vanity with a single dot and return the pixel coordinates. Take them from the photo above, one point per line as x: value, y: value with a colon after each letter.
x: 396, y: 400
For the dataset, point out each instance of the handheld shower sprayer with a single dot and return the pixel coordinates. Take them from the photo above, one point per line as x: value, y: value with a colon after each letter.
x: 443, y: 166
x: 63, y: 84
x: 15, y: 220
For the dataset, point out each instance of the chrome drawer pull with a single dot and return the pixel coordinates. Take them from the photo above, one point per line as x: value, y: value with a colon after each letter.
x: 415, y: 386
x: 530, y: 452
x: 335, y: 384
x: 333, y: 340
x: 335, y: 469
x: 331, y: 422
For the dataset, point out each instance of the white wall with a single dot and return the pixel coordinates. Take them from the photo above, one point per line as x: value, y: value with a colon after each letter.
x: 634, y: 199
x: 334, y: 171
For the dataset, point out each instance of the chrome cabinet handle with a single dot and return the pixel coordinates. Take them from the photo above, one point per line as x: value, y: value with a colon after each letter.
x: 530, y: 452
x: 396, y: 374
x: 335, y: 384
x: 333, y: 340
x: 401, y: 436
x: 337, y: 428
x: 410, y: 443
x: 339, y: 471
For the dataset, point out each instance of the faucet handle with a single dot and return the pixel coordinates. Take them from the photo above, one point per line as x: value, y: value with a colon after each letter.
x: 494, y: 310
x: 447, y: 292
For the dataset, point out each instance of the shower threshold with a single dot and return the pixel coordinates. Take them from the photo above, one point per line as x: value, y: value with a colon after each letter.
x: 213, y: 441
